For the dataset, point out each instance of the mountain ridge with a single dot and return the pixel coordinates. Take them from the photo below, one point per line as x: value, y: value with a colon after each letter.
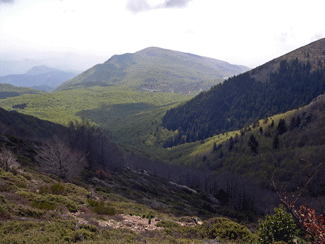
x: 275, y: 87
x: 313, y: 52
x: 38, y: 76
x: 41, y: 69
x: 156, y: 69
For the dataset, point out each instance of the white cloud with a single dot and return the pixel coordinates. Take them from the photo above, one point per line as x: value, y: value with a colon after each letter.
x: 244, y: 32
x: 137, y: 6
x: 6, y: 1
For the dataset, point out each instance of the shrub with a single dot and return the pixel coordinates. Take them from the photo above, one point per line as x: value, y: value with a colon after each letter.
x: 4, y: 213
x: 92, y: 202
x: 44, y: 205
x: 58, y: 189
x: 28, y: 212
x: 2, y: 199
x: 43, y: 189
x: 167, y: 224
x: 277, y: 227
x: 54, y: 199
x: 226, y: 229
x: 27, y: 177
x: 101, y: 208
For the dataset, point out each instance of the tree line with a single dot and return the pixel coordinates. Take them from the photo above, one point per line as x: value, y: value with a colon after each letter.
x: 241, y: 100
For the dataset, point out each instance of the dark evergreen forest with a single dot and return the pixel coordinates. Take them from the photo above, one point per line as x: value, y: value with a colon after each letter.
x: 241, y: 100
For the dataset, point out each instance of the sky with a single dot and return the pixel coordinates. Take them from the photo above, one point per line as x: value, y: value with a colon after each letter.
x: 87, y: 32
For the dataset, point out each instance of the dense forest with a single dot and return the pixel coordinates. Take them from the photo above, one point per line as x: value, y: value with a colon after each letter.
x: 241, y: 100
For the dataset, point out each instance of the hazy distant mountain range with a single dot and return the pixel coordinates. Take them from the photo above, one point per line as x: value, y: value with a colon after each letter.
x: 68, y: 62
x: 157, y: 69
x: 39, y: 77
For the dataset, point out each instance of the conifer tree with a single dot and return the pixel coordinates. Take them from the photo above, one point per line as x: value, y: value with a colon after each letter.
x: 276, y: 142
x: 253, y: 144
x: 282, y: 128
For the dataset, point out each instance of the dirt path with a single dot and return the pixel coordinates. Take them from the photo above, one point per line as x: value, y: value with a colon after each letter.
x: 134, y: 223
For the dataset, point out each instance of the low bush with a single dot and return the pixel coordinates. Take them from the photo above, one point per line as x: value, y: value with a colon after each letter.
x: 101, y: 208
x: 277, y: 227
x: 44, y: 205
x: 226, y: 229
x: 167, y: 224
x: 44, y: 189
x: 57, y: 189
x: 52, y: 199
x: 92, y: 202
x: 27, y: 177
x: 4, y: 213
x: 29, y: 212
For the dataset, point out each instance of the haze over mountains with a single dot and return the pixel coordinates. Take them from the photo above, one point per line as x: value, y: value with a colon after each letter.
x: 39, y: 77
x: 157, y: 69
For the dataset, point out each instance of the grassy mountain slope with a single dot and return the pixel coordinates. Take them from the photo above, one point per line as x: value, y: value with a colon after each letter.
x: 156, y: 69
x: 39, y: 209
x: 130, y: 115
x: 7, y: 90
x: 241, y: 100
x: 15, y: 123
x: 288, y: 155
x: 120, y: 206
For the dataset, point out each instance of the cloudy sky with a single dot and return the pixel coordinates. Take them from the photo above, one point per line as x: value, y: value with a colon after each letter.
x: 247, y: 32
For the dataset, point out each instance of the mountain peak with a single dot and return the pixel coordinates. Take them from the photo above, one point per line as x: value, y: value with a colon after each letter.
x: 157, y: 69
x: 39, y: 70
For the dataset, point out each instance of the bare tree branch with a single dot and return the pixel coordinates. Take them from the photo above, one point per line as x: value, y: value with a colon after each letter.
x: 57, y: 158
x: 7, y: 159
x: 302, y: 220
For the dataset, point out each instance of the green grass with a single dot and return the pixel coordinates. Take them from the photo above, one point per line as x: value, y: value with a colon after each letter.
x: 156, y: 69
x: 33, y: 214
x: 20, y: 90
x: 63, y: 107
x: 130, y: 115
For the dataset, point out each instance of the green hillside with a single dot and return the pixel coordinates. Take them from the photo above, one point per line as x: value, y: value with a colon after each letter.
x: 156, y: 69
x: 122, y: 170
x: 93, y: 203
x: 243, y: 99
x: 7, y: 90
x: 314, y: 53
x: 78, y: 200
x: 130, y: 115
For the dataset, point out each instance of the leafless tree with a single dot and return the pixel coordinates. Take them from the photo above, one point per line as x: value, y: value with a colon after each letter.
x: 7, y: 159
x: 56, y: 157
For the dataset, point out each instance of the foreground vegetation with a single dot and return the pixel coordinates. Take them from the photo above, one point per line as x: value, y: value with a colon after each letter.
x: 39, y: 208
x: 107, y: 208
x: 109, y: 203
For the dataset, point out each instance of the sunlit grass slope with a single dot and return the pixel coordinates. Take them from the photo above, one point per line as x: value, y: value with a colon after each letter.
x: 130, y: 115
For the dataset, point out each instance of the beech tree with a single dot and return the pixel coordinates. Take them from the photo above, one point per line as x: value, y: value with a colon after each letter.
x: 7, y: 159
x: 56, y: 157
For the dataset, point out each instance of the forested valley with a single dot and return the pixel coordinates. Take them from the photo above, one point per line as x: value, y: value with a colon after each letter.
x: 211, y: 167
x: 242, y: 100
